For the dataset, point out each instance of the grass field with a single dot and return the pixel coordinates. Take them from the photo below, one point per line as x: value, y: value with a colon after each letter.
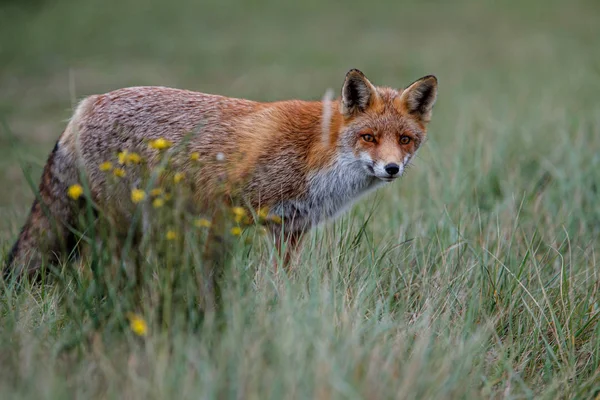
x: 475, y: 276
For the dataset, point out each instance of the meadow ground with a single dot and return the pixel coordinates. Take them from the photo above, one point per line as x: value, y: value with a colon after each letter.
x: 474, y: 276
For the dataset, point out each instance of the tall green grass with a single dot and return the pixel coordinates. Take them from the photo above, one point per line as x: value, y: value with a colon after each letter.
x: 474, y: 276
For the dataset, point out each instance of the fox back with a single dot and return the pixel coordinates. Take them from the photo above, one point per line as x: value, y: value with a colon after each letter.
x: 306, y: 161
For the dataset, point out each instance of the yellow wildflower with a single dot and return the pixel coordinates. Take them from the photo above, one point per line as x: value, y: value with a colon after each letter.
x: 195, y: 156
x: 137, y: 195
x: 122, y: 156
x: 167, y: 196
x: 125, y: 157
x: 158, y: 203
x: 156, y: 192
x: 119, y: 172
x: 238, y: 218
x: 202, y: 223
x: 276, y: 219
x: 134, y: 158
x: 75, y: 191
x: 239, y: 211
x: 178, y: 177
x: 106, y: 166
x: 263, y: 212
x: 137, y: 324
x: 171, y: 235
x: 236, y: 231
x: 160, y: 144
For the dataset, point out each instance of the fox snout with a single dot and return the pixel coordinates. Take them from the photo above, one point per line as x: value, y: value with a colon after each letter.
x: 388, y: 171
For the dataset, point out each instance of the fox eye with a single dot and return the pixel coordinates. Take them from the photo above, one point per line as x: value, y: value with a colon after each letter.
x: 404, y: 140
x: 367, y: 137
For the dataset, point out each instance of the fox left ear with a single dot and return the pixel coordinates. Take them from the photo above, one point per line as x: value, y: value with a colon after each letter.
x: 418, y: 99
x: 357, y: 93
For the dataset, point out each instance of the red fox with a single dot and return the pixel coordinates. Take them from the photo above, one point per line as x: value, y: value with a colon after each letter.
x: 305, y: 160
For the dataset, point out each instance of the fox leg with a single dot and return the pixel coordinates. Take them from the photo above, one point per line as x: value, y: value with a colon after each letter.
x: 287, y: 246
x: 46, y: 237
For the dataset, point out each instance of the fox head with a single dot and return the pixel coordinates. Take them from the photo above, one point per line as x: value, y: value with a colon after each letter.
x: 383, y: 127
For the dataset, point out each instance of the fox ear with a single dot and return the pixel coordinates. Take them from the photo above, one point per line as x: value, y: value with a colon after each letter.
x: 357, y: 93
x: 418, y: 99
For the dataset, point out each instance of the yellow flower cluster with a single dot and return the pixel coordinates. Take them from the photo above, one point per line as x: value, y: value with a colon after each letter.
x: 160, y: 196
x: 158, y: 202
x: 137, y: 195
x: 263, y: 212
x: 75, y: 191
x: 178, y: 177
x: 202, y: 223
x: 137, y: 324
x: 126, y: 158
x: 239, y: 213
x: 159, y: 144
x: 241, y: 217
x: 119, y: 172
x: 106, y: 166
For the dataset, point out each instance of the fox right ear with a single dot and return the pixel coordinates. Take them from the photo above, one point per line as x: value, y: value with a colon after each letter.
x: 357, y: 93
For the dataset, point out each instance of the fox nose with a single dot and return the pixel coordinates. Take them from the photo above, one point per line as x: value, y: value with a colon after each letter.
x: 392, y: 168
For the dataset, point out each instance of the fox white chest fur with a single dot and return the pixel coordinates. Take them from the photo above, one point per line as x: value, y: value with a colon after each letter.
x: 329, y: 193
